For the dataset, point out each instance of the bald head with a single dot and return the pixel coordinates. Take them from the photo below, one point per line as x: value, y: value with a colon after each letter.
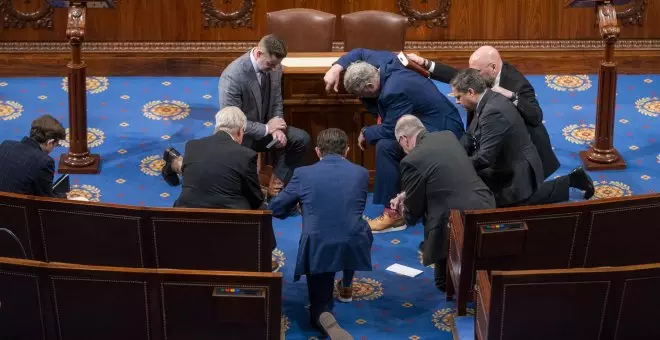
x: 487, y: 60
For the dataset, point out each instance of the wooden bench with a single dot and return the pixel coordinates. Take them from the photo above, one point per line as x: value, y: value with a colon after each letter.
x: 581, y: 303
x: 56, y: 230
x: 64, y: 301
x: 608, y: 232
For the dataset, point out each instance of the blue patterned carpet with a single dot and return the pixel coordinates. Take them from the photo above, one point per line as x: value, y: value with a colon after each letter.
x: 131, y: 120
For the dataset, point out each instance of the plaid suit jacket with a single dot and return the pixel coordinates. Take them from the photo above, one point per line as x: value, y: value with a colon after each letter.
x: 25, y: 168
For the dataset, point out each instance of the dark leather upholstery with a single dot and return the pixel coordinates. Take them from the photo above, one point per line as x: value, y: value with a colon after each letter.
x: 65, y: 301
x: 11, y: 245
x: 59, y: 230
x: 606, y: 232
x: 597, y: 303
x: 374, y: 30
x: 303, y: 29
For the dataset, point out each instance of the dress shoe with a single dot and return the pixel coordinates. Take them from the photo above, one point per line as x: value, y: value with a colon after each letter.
x: 345, y: 294
x: 275, y: 266
x: 579, y: 179
x: 387, y: 222
x: 274, y: 186
x: 169, y: 175
x: 420, y: 249
x: 332, y: 328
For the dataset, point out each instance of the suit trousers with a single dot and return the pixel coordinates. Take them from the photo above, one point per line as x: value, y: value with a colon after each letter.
x: 388, y: 179
x: 553, y: 191
x: 319, y: 290
x: 289, y: 157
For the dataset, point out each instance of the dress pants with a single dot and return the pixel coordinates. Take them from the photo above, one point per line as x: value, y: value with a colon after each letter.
x: 553, y: 191
x: 319, y: 289
x: 287, y: 158
x: 388, y: 178
x: 440, y: 274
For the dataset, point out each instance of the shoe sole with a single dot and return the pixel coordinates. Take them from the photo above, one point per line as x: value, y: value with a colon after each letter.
x: 344, y: 300
x: 389, y: 230
x: 332, y: 328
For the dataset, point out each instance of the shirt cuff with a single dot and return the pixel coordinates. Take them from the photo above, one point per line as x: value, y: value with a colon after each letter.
x: 432, y: 67
x: 266, y: 125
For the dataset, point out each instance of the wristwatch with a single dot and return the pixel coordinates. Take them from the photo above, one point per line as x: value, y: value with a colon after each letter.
x: 514, y: 99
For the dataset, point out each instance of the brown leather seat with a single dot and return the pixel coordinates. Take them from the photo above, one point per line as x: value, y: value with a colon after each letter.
x: 303, y: 29
x: 374, y: 30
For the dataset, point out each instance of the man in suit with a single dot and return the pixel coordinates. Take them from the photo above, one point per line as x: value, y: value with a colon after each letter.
x: 253, y: 83
x: 389, y: 90
x: 332, y: 194
x: 436, y: 176
x: 218, y: 172
x: 501, y: 150
x: 27, y: 167
x: 506, y: 80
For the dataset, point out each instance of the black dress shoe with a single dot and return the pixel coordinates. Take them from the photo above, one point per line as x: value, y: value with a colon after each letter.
x: 579, y: 179
x: 169, y: 175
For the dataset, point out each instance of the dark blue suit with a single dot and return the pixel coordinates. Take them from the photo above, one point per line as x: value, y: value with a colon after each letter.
x: 332, y: 194
x: 25, y: 168
x: 402, y: 91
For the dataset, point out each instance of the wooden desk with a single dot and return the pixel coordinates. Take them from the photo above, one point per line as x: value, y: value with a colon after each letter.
x: 307, y: 106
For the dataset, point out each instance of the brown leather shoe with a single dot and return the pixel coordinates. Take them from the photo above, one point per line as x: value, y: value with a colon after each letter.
x: 387, y: 222
x: 344, y: 294
x: 274, y: 186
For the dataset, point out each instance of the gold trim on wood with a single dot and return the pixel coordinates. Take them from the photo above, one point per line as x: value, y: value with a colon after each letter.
x: 243, y: 46
x: 239, y: 18
x: 436, y: 17
x: 13, y: 18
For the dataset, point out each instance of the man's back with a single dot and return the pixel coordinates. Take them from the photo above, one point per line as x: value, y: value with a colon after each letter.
x: 219, y: 173
x: 25, y: 168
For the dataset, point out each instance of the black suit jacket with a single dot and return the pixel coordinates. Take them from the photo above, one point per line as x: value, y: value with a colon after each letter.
x: 219, y: 173
x: 528, y: 107
x: 25, y: 168
x: 437, y: 176
x: 502, y: 152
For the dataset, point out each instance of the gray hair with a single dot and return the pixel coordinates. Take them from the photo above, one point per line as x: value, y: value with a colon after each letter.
x: 357, y: 75
x: 230, y: 119
x: 409, y: 126
x: 469, y: 78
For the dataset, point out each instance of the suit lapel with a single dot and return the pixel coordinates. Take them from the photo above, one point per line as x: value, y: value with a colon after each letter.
x: 253, y: 82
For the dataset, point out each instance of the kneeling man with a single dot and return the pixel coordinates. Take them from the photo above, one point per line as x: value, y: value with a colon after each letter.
x: 332, y: 195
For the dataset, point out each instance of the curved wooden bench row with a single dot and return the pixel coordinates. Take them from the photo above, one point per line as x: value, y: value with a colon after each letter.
x: 47, y: 301
x: 607, y: 232
x: 56, y: 230
x: 581, y: 303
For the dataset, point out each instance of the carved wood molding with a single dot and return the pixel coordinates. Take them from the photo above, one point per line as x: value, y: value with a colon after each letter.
x: 634, y: 14
x: 243, y: 46
x: 239, y: 18
x: 13, y: 18
x: 436, y: 17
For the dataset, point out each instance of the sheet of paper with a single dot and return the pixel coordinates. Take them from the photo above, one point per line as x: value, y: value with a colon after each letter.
x: 404, y: 270
x: 309, y: 61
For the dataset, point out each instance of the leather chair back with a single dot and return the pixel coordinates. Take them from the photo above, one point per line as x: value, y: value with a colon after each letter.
x: 303, y: 29
x: 374, y: 30
x: 11, y: 245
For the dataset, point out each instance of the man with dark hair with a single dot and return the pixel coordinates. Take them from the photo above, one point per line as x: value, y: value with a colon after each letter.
x: 332, y: 195
x: 506, y: 80
x: 26, y: 166
x: 501, y: 151
x: 389, y: 90
x: 436, y: 176
x: 253, y: 83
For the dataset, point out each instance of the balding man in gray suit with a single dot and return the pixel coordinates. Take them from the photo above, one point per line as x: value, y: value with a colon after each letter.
x: 253, y: 82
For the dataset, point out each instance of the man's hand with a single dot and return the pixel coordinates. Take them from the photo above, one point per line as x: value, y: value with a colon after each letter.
x: 331, y: 78
x: 280, y: 137
x: 396, y: 203
x: 415, y: 59
x: 502, y: 91
x: 276, y: 123
x: 362, y: 142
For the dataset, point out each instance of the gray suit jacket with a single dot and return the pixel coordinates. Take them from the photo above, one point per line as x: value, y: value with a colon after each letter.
x: 239, y: 87
x: 502, y: 151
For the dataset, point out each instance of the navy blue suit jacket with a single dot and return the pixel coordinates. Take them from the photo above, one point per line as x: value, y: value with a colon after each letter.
x: 403, y: 91
x: 332, y: 194
x: 25, y: 168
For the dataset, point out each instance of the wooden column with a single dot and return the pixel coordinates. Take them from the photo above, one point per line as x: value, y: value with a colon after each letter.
x: 602, y: 155
x: 78, y: 160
